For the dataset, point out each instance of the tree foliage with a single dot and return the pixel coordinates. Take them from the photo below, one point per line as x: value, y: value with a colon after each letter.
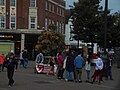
x: 49, y: 43
x: 85, y: 17
x: 89, y: 20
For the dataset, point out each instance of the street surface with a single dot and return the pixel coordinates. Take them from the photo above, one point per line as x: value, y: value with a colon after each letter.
x: 26, y: 79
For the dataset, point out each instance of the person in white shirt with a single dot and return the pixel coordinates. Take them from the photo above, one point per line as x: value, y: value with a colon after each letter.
x: 39, y: 58
x: 88, y: 68
x: 98, y: 69
x: 21, y: 59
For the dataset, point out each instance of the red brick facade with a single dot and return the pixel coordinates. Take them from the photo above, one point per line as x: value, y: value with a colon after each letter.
x: 22, y: 13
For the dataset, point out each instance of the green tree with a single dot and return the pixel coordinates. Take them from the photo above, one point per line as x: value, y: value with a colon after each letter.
x: 114, y: 30
x: 50, y: 43
x: 86, y: 16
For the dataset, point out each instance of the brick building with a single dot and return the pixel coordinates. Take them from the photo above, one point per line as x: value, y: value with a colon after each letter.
x: 19, y: 16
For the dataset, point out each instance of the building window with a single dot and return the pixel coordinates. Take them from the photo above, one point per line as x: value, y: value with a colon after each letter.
x: 2, y: 22
x: 46, y: 5
x: 49, y: 21
x: 46, y: 23
x: 12, y: 23
x: 57, y: 10
x: 60, y: 27
x: 63, y: 27
x: 32, y: 3
x: 63, y: 13
x: 32, y: 21
x: 53, y: 8
x: 49, y: 6
x: 2, y: 2
x: 12, y: 2
x: 57, y: 25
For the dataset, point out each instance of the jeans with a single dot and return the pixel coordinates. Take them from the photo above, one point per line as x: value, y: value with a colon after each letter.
x: 110, y: 72
x: 69, y: 75
x: 88, y: 74
x: 25, y: 62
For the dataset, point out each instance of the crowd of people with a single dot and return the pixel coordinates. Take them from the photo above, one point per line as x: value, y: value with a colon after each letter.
x: 69, y: 66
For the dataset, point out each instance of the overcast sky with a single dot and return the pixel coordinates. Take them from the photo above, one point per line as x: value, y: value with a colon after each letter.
x: 114, y: 5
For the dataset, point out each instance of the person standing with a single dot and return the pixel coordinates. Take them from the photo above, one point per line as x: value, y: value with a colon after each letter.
x: 21, y: 58
x: 39, y: 58
x: 109, y: 66
x: 88, y: 68
x: 10, y: 65
x: 98, y: 69
x: 2, y: 59
x: 51, y: 62
x: 78, y: 63
x: 25, y: 58
x: 69, y: 67
x: 60, y: 66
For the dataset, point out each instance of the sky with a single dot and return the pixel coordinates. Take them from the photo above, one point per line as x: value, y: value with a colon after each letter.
x: 114, y: 5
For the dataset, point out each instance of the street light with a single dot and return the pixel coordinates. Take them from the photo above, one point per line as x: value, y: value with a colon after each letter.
x: 105, y: 25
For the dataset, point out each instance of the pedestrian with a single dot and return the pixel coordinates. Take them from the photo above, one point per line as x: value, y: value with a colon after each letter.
x: 51, y: 62
x: 39, y: 58
x: 25, y: 58
x: 2, y: 59
x: 21, y: 59
x: 10, y: 65
x: 64, y: 55
x: 60, y: 66
x: 78, y: 63
x: 73, y: 58
x: 98, y: 69
x: 109, y: 66
x: 88, y: 68
x: 69, y: 67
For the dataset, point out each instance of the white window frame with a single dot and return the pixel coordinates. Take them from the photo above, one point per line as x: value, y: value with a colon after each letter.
x: 49, y: 6
x: 63, y: 27
x: 2, y: 2
x: 57, y: 25
x: 60, y: 27
x: 32, y: 22
x: 46, y: 23
x: 2, y: 22
x: 32, y: 3
x: 46, y: 5
x: 53, y: 8
x: 12, y: 22
x: 12, y: 2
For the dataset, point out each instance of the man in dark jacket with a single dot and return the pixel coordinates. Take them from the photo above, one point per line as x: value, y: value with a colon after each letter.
x: 10, y: 65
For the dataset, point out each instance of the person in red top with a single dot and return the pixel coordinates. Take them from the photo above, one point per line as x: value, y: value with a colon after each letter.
x: 2, y: 59
x: 60, y: 66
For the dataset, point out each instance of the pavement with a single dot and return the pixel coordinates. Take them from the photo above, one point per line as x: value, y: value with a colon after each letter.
x: 26, y: 79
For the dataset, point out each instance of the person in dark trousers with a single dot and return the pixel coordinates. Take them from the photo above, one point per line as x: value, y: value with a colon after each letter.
x: 109, y: 66
x: 10, y: 65
x: 88, y: 68
x: 69, y: 67
x: 25, y: 58
x: 60, y: 66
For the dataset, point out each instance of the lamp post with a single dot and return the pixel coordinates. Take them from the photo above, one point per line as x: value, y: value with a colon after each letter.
x: 105, y: 25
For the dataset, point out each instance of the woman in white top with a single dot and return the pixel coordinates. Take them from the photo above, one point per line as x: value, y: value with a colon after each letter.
x: 88, y: 68
x: 98, y: 69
